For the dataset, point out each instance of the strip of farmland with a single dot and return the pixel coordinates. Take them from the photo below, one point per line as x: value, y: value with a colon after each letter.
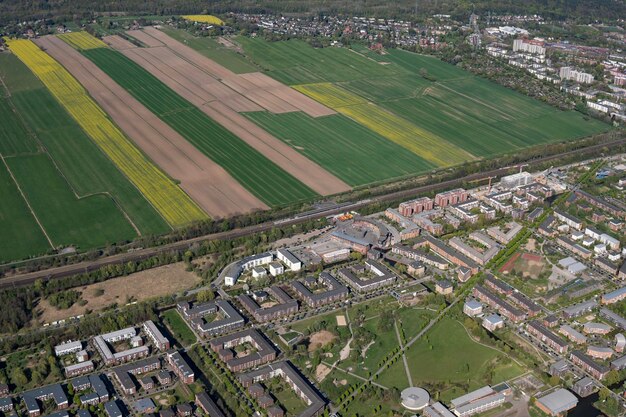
x: 206, y: 182
x: 264, y: 179
x: 20, y: 235
x: 88, y: 222
x: 221, y: 94
x: 469, y: 112
x: 426, y: 145
x: 171, y: 202
x: 41, y: 122
x: 349, y: 150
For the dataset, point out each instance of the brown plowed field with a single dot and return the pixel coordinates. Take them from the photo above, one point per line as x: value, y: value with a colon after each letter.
x: 118, y: 42
x: 205, y: 181
x: 222, y: 104
x: 256, y: 80
x: 144, y: 38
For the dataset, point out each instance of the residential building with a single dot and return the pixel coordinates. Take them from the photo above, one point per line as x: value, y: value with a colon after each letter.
x: 155, y: 334
x: 180, y: 367
x: 263, y: 352
x: 300, y: 385
x: 286, y: 305
x: 288, y: 258
x: 538, y: 330
x: 335, y: 291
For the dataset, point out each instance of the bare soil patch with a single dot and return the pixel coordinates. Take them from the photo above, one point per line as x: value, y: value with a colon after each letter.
x: 320, y: 339
x: 207, y: 183
x: 144, y: 38
x: 321, y: 372
x: 140, y: 286
x: 220, y: 94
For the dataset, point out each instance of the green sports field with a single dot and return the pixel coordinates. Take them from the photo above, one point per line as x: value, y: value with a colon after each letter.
x: 261, y: 177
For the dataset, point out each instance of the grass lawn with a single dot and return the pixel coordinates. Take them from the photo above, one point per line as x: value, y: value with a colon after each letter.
x: 249, y: 167
x: 286, y: 397
x: 446, y: 355
x: 178, y: 327
x: 335, y: 383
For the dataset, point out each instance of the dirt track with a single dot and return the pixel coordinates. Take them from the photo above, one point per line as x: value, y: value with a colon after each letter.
x: 205, y: 181
x: 208, y: 86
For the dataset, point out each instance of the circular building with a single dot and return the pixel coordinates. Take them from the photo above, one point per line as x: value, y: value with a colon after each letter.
x: 414, y: 399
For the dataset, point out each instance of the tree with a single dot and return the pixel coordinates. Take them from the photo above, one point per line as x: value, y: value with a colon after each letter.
x: 19, y: 377
x: 206, y: 295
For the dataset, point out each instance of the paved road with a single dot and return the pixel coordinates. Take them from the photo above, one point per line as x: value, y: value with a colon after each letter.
x: 82, y: 267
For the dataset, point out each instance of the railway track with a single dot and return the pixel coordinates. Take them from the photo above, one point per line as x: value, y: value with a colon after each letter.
x: 141, y: 254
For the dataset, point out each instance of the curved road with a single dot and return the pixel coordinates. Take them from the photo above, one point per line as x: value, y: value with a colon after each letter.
x: 78, y: 268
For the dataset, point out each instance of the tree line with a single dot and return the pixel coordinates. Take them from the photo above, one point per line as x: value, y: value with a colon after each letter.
x: 13, y: 11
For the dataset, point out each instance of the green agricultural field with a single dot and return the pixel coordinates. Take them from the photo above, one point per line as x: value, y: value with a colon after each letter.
x: 295, y: 62
x: 87, y: 222
x: 37, y: 123
x: 260, y: 176
x: 446, y: 354
x: 445, y: 101
x: 178, y: 327
x: 211, y: 48
x: 20, y: 235
x: 345, y: 148
x: 14, y: 139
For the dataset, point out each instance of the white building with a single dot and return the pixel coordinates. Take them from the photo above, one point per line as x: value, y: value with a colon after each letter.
x: 67, y: 348
x: 533, y: 46
x: 516, y: 180
x: 276, y: 268
x: 289, y: 259
x: 569, y: 73
x: 258, y: 272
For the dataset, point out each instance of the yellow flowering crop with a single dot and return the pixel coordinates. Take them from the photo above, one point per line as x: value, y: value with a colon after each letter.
x: 82, y: 40
x: 204, y: 18
x: 168, y: 199
x: 421, y: 142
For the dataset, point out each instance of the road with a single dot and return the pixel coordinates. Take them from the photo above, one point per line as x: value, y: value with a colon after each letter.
x: 141, y: 254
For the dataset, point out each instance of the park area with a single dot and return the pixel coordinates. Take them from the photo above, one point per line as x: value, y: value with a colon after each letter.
x: 448, y: 362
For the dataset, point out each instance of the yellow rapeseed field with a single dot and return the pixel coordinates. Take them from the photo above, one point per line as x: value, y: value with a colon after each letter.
x: 170, y: 201
x: 82, y: 40
x: 421, y: 142
x: 330, y: 94
x: 204, y: 18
